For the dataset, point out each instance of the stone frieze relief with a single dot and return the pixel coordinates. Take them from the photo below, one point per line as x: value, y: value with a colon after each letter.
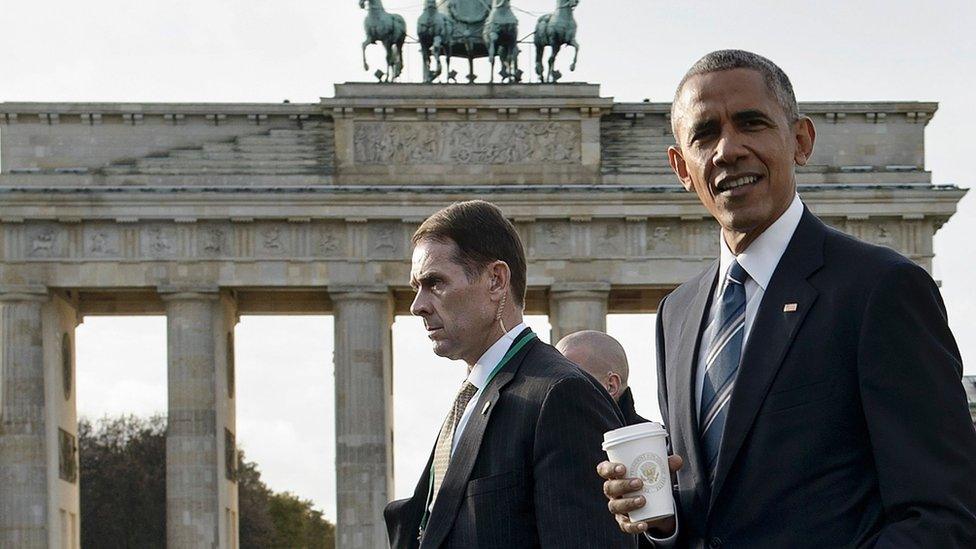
x: 376, y: 240
x: 467, y: 143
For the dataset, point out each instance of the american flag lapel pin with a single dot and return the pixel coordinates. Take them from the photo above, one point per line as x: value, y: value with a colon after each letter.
x: 789, y: 308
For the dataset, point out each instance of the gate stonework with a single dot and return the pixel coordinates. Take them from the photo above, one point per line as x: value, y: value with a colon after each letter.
x: 204, y: 212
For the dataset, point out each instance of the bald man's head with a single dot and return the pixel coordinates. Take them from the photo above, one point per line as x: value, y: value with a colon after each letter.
x: 599, y: 355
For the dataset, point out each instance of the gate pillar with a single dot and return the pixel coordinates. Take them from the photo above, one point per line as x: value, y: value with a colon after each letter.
x: 364, y: 423
x: 201, y: 453
x: 23, y: 448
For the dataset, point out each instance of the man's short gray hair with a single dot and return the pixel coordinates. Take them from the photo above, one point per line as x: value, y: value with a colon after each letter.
x: 726, y: 60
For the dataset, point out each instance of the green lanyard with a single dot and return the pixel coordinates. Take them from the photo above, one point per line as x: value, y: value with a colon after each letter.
x: 508, y: 356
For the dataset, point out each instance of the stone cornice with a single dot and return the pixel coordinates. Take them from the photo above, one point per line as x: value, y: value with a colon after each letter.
x: 388, y: 202
x: 808, y: 107
x: 35, y: 108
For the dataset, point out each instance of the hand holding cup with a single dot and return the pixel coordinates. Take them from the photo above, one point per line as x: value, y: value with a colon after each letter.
x: 617, y: 488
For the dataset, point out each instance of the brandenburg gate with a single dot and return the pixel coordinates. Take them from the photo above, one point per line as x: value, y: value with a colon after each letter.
x: 204, y: 212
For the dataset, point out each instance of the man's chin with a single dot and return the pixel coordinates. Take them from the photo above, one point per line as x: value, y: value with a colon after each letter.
x: 443, y: 349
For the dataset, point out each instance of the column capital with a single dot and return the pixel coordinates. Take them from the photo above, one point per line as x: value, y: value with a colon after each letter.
x: 340, y: 292
x: 579, y: 288
x: 23, y: 292
x: 188, y: 293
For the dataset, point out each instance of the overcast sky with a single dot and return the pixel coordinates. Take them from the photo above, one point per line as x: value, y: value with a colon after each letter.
x: 267, y: 51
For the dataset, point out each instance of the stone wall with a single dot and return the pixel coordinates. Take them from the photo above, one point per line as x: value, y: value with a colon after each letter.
x: 862, y: 143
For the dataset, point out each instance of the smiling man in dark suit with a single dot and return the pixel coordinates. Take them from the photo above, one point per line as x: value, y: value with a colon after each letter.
x: 512, y: 466
x: 808, y: 380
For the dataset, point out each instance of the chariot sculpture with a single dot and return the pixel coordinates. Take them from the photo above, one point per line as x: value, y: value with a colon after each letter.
x: 469, y: 29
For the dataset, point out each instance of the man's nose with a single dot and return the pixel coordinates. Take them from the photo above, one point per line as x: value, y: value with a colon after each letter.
x: 419, y: 306
x: 730, y: 149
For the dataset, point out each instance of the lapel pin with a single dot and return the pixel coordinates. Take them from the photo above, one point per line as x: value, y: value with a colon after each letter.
x: 789, y: 308
x: 485, y: 409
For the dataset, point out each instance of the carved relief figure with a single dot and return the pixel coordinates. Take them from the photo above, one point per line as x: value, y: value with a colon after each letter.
x: 659, y: 239
x: 43, y: 243
x: 213, y: 240
x: 386, y: 240
x: 328, y: 243
x: 101, y: 241
x: 883, y: 236
x: 608, y: 238
x: 159, y: 241
x: 553, y: 237
x: 272, y: 238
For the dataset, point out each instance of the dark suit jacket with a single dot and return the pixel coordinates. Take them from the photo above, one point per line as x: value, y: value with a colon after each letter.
x: 626, y: 405
x: 848, y: 425
x: 523, y: 472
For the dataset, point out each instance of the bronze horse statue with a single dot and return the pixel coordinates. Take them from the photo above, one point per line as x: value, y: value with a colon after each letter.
x: 434, y: 32
x: 501, y: 38
x: 391, y: 30
x: 556, y: 30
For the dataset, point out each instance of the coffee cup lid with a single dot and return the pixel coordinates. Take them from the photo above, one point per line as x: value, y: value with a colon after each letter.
x: 633, y: 432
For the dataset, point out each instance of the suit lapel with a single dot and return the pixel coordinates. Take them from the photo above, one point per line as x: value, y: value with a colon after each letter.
x: 407, y: 521
x: 682, y: 408
x: 456, y: 480
x: 772, y: 333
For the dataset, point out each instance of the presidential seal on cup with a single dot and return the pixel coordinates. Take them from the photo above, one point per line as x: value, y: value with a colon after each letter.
x: 643, y: 450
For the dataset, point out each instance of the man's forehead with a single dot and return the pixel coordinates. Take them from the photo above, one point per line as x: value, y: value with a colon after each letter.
x: 733, y: 90
x: 431, y: 254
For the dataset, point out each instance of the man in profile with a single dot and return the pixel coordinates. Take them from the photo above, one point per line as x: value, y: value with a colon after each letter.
x: 603, y: 357
x: 809, y: 381
x: 512, y: 465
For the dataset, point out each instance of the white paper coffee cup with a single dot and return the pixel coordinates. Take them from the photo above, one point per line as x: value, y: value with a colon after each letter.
x: 643, y: 449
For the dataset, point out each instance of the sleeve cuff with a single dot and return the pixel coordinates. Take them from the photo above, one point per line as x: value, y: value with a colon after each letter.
x: 668, y: 542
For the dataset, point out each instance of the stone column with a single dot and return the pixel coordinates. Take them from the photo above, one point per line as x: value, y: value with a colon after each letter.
x: 23, y: 455
x: 575, y: 306
x: 364, y: 425
x: 198, y: 503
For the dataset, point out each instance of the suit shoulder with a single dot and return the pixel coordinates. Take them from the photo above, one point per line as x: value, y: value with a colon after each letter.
x: 687, y: 290
x: 544, y: 363
x: 866, y: 261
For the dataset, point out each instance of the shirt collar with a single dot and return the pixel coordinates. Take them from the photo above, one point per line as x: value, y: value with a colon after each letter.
x: 482, y: 369
x: 762, y: 256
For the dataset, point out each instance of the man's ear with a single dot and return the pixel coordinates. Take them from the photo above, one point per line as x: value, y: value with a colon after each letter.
x: 499, y: 278
x: 613, y: 385
x: 805, y: 134
x: 677, y: 162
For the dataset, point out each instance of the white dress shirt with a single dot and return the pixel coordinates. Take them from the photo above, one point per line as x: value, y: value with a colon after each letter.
x: 760, y: 260
x: 478, y: 376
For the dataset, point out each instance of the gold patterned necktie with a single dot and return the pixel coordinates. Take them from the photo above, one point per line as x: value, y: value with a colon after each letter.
x: 442, y: 450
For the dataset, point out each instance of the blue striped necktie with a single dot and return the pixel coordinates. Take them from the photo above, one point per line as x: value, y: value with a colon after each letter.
x: 722, y: 343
